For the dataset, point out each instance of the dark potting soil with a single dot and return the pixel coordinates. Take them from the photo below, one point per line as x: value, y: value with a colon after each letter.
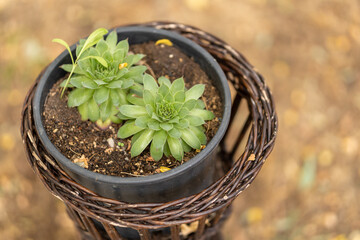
x: 100, y: 150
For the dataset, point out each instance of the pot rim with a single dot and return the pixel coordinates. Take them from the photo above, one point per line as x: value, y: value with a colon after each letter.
x: 151, y: 179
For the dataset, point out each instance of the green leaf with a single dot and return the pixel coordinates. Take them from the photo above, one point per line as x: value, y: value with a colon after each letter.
x: 93, y: 39
x: 142, y: 121
x: 77, y: 81
x: 164, y: 80
x: 88, y: 83
x: 102, y: 46
x: 157, y: 145
x: 200, y: 104
x: 183, y: 123
x: 179, y: 97
x: 186, y: 147
x: 190, y: 104
x: 101, y: 95
x: 127, y: 83
x: 164, y: 90
x: 115, y: 98
x: 175, y: 148
x: 129, y: 129
x: 101, y: 60
x: 83, y: 110
x: 177, y: 86
x: 174, y: 120
x: 105, y: 109
x: 190, y: 138
x: 166, y: 126
x: 100, y: 82
x: 79, y: 96
x: 150, y: 83
x: 93, y: 110
x: 62, y: 84
x: 142, y: 142
x: 134, y: 99
x: 111, y: 40
x: 198, y: 131
x: 124, y: 46
x: 183, y: 112
x: 167, y: 150
x: 148, y: 98
x: 133, y: 111
x: 195, y: 92
x: 153, y: 124
x: 115, y: 84
x: 62, y: 42
x: 149, y: 109
x: 132, y: 59
x: 194, y: 120
x: 135, y: 71
x: 204, y: 114
x: 175, y: 133
x: 115, y: 119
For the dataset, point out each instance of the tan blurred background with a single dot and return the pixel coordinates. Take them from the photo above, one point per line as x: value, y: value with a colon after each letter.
x: 309, y: 53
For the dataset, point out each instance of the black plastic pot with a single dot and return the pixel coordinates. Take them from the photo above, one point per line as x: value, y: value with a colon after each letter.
x: 185, y: 180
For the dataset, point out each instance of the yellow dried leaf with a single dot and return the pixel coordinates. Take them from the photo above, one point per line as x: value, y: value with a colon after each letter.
x: 187, y: 229
x: 122, y: 65
x: 82, y: 162
x: 164, y: 41
x: 164, y: 169
x: 254, y: 215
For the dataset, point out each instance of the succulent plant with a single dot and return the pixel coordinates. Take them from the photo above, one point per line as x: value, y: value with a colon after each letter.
x: 167, y: 116
x: 102, y: 76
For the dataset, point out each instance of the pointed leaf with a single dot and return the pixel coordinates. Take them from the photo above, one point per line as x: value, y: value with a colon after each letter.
x: 77, y: 81
x: 133, y: 111
x: 115, y: 84
x: 93, y: 110
x: 142, y: 142
x: 142, y: 121
x: 62, y: 42
x: 79, y: 96
x: 150, y: 83
x: 175, y: 148
x: 204, y: 114
x: 166, y: 126
x: 93, y: 39
x: 128, y: 129
x: 157, y: 145
x: 194, y: 120
x: 101, y: 60
x: 102, y: 46
x: 124, y: 46
x: 105, y: 109
x: 153, y: 124
x: 190, y: 138
x: 83, y: 110
x: 127, y: 83
x: 195, y: 92
x: 164, y: 80
x: 186, y: 147
x: 134, y: 99
x: 88, y: 83
x: 199, y: 134
x: 148, y: 97
x: 101, y: 95
x: 177, y: 86
x: 175, y: 133
x: 111, y: 40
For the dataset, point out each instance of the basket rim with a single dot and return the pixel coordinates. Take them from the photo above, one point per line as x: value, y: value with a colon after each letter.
x: 150, y: 179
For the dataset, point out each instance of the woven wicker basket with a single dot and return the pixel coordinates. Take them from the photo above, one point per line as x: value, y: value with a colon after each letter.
x: 207, y: 209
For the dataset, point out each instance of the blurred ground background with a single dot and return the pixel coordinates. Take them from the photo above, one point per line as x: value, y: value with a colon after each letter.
x: 309, y: 53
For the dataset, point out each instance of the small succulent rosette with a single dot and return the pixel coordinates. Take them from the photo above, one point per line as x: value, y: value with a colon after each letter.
x: 168, y: 116
x: 101, y: 76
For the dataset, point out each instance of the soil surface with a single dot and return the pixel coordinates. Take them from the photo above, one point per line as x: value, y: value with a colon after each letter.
x: 100, y: 150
